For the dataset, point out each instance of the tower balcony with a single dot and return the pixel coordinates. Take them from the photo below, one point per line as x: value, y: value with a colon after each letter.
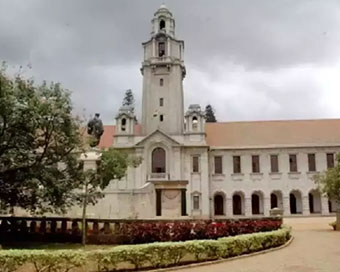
x: 157, y: 176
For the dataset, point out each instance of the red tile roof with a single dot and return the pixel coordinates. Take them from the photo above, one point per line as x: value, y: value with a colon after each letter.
x: 260, y: 133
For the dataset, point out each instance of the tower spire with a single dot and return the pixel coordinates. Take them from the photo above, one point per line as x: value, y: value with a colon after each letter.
x: 163, y: 72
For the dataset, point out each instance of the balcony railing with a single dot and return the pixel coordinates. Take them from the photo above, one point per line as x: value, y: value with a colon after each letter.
x: 158, y: 176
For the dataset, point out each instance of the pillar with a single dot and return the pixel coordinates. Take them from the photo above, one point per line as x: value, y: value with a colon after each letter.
x: 158, y: 202
x: 266, y: 206
x: 184, y: 202
x: 229, y: 207
x: 305, y: 205
x: 324, y: 205
x: 286, y: 205
x: 247, y: 207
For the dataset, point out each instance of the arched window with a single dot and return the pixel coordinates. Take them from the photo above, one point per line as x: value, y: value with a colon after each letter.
x: 161, y: 49
x: 219, y: 204
x: 161, y: 24
x: 158, y: 160
x: 161, y: 82
x: 123, y: 124
x: 194, y: 123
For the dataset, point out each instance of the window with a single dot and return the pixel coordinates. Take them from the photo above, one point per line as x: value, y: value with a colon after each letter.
x: 158, y: 160
x: 194, y: 123
x: 311, y: 163
x: 255, y: 159
x: 161, y: 102
x: 196, y: 202
x: 161, y: 81
x: 161, y: 49
x: 237, y: 164
x: 330, y: 160
x: 274, y: 163
x: 218, y: 164
x: 161, y: 24
x: 123, y: 124
x: 292, y: 163
x: 161, y: 118
x: 195, y: 164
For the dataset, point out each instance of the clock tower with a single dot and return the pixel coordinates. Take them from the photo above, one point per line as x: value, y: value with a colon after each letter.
x: 163, y: 72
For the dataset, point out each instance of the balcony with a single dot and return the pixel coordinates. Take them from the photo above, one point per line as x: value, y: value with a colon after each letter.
x: 158, y: 176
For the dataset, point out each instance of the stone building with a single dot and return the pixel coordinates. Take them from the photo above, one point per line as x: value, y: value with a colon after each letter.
x: 208, y: 170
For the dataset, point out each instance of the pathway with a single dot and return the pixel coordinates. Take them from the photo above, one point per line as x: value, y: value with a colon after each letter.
x: 316, y: 248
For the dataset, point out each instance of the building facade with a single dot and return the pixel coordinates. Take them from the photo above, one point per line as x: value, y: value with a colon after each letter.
x: 195, y: 169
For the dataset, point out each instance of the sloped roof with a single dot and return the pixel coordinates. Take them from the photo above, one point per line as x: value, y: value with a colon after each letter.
x: 109, y: 131
x: 259, y: 134
x: 317, y: 132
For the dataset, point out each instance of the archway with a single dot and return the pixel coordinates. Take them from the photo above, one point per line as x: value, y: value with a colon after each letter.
x: 219, y: 204
x: 273, y: 201
x: 257, y: 203
x: 331, y: 206
x: 276, y: 200
x: 295, y: 201
x: 237, y: 205
x: 314, y: 197
x: 161, y: 24
x: 158, y: 160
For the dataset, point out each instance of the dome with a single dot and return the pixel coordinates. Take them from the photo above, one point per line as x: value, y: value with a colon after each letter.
x: 163, y: 6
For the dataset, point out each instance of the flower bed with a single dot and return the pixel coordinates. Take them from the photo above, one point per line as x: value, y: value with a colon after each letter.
x: 136, y: 233
x: 152, y: 255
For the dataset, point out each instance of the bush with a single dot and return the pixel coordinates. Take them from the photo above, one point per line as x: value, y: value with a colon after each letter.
x: 138, y: 233
x: 42, y: 260
x: 153, y: 255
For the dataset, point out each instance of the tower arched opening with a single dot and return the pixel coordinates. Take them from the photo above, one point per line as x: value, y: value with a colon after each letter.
x: 158, y: 160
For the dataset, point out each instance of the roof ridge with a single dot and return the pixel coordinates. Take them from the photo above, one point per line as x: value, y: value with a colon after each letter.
x: 278, y: 120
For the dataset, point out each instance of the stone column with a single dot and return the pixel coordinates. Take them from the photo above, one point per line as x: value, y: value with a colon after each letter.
x: 247, y: 208
x: 324, y: 205
x: 266, y: 206
x: 229, y: 207
x: 305, y: 205
x: 286, y: 206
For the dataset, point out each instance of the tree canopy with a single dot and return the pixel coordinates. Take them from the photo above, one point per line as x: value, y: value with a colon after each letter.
x: 129, y: 99
x: 210, y: 114
x: 329, y: 181
x: 40, y: 141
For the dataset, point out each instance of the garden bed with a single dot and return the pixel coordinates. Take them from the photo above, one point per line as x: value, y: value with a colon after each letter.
x: 136, y: 257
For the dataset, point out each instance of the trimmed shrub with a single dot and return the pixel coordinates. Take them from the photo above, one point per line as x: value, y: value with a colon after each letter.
x: 166, y: 254
x: 154, y: 255
x: 138, y: 233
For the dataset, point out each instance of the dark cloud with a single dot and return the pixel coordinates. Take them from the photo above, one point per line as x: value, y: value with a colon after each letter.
x: 256, y: 59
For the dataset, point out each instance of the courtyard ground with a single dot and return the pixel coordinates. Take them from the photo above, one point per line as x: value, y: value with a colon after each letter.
x: 315, y: 248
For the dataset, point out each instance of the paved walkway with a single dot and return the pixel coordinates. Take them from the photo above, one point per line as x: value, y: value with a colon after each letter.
x: 316, y: 248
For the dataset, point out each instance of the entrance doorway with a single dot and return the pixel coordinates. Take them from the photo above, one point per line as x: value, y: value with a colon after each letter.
x: 219, y: 204
x: 237, y: 205
x: 255, y: 204
x: 273, y: 201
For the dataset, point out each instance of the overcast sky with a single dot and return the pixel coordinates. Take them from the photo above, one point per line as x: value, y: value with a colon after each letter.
x: 252, y: 60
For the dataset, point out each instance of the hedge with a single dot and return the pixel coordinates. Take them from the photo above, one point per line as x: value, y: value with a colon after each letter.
x: 139, y: 233
x: 154, y: 255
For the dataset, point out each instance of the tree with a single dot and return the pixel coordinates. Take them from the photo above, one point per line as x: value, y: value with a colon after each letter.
x: 40, y: 141
x: 129, y: 99
x: 329, y: 184
x: 112, y: 164
x: 210, y: 114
